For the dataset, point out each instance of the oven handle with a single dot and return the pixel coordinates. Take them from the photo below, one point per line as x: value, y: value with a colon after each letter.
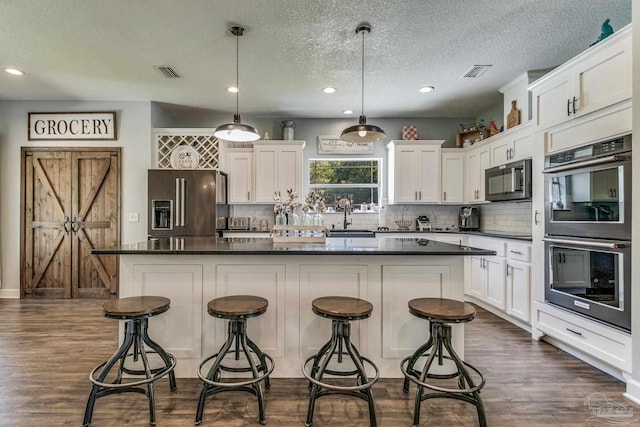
x: 589, y: 243
x: 600, y: 161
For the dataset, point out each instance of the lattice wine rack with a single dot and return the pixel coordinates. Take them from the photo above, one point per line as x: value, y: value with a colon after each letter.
x: 207, y: 146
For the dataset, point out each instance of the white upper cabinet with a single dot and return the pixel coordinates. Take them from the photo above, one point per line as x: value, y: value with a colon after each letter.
x: 452, y: 175
x: 414, y: 171
x: 477, y: 160
x: 595, y: 79
x: 512, y: 145
x: 278, y: 168
x: 240, y: 167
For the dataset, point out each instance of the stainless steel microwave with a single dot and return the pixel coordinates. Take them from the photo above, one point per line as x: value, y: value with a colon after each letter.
x: 508, y: 182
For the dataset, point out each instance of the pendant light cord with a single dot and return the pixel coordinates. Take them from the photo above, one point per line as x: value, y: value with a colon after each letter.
x: 237, y: 72
x: 362, y: 104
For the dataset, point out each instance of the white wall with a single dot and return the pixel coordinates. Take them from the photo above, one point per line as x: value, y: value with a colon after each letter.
x: 134, y: 136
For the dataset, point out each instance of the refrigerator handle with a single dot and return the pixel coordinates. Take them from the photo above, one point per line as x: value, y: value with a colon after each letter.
x: 177, y: 215
x: 182, y: 202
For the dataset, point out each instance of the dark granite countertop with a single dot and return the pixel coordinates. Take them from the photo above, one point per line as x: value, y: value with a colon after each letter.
x: 251, y: 246
x: 502, y: 235
x: 381, y: 233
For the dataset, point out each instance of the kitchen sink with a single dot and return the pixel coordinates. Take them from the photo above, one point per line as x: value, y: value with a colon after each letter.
x: 351, y: 233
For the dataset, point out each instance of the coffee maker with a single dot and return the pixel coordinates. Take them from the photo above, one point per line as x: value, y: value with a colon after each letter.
x: 469, y: 218
x: 422, y: 223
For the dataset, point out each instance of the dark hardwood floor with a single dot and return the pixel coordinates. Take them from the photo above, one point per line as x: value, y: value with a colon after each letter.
x: 48, y: 348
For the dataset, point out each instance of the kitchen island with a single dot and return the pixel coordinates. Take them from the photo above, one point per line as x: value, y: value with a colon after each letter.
x: 387, y: 272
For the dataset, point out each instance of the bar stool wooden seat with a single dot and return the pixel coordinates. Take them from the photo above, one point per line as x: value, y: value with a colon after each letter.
x: 136, y: 312
x: 341, y: 310
x: 237, y: 309
x: 441, y: 313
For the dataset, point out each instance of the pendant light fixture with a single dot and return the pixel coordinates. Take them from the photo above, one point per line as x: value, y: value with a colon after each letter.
x: 363, y: 132
x: 236, y: 131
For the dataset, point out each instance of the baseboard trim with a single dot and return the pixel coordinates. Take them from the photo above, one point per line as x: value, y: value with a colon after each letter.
x: 519, y: 323
x: 586, y: 358
x: 9, y: 293
x: 633, y: 390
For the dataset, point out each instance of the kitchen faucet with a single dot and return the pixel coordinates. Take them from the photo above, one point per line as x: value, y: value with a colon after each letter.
x: 347, y: 208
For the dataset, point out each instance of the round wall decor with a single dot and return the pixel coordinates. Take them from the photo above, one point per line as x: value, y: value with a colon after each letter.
x: 184, y: 157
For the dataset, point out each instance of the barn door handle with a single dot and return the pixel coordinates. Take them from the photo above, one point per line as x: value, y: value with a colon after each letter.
x: 74, y: 225
x: 66, y: 225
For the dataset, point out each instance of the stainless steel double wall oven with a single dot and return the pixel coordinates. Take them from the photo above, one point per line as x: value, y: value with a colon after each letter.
x: 588, y: 230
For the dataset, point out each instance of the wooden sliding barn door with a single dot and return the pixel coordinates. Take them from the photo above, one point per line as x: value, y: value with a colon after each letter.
x: 71, y: 204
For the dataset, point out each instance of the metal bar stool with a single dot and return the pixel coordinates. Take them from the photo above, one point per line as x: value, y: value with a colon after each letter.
x: 341, y: 310
x: 237, y: 309
x: 136, y: 312
x: 440, y: 313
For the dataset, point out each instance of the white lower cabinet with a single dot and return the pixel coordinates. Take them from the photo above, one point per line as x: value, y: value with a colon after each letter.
x: 487, y: 280
x: 519, y: 290
x: 503, y: 281
x: 496, y: 283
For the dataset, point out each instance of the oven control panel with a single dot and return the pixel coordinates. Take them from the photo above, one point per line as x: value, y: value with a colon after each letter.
x: 598, y: 149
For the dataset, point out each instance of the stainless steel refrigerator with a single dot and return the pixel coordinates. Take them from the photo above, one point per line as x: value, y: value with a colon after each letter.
x: 186, y: 202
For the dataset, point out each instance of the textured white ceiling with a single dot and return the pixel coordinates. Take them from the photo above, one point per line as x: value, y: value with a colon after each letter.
x: 106, y: 50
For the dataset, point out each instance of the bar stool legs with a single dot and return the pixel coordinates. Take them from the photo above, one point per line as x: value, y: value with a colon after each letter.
x: 339, y: 344
x: 441, y: 312
x: 136, y: 336
x: 341, y: 311
x: 236, y: 309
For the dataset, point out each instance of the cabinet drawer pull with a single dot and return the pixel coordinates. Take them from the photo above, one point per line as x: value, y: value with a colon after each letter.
x: 516, y: 252
x: 574, y: 332
x: 568, y: 107
x: 445, y: 196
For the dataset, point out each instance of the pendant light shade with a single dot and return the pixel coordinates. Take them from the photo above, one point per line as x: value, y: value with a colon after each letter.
x: 363, y: 132
x: 237, y: 131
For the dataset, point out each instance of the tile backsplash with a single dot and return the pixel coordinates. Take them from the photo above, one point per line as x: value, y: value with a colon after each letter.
x: 513, y: 217
x: 510, y: 217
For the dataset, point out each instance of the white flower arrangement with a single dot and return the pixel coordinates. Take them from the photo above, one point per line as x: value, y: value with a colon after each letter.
x: 287, y: 207
x: 314, y: 202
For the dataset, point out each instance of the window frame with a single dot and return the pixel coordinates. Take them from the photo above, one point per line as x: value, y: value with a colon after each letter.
x: 379, y: 185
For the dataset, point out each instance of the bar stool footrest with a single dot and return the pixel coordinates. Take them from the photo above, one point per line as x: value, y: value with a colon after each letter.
x: 343, y: 389
x: 264, y: 371
x: 157, y: 373
x: 416, y: 381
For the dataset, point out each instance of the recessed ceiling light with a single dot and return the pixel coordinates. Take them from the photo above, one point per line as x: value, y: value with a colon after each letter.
x: 14, y: 71
x: 348, y: 111
x: 233, y: 89
x: 426, y: 89
x: 329, y: 89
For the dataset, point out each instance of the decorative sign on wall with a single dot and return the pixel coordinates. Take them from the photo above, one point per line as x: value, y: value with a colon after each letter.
x: 89, y: 126
x: 334, y: 145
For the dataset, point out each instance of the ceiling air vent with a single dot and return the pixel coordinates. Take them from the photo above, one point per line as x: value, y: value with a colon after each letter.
x: 168, y: 71
x: 476, y: 71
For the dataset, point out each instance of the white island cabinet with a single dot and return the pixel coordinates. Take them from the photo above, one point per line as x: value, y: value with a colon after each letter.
x: 386, y: 272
